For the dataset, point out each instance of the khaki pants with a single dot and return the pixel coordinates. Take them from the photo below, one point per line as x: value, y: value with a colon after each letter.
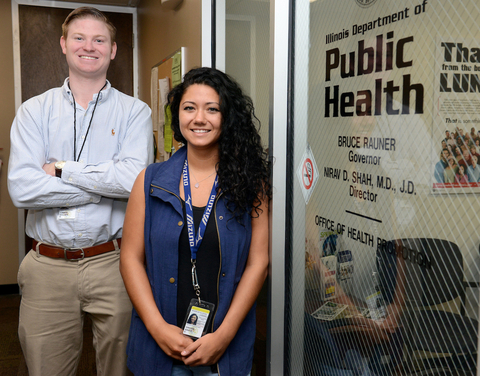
x: 56, y: 295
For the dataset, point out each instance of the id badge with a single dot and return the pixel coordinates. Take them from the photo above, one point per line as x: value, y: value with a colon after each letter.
x: 198, y: 318
x: 66, y: 213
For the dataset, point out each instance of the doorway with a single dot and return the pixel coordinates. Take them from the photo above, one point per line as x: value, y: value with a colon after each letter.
x: 43, y: 64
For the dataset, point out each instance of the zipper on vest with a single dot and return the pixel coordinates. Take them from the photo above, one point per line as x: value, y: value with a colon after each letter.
x: 165, y: 190
x: 219, y: 269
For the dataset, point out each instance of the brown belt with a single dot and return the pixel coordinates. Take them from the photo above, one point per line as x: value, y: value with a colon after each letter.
x: 73, y: 254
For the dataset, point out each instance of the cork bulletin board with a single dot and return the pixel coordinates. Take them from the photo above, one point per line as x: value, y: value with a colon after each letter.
x: 164, y: 76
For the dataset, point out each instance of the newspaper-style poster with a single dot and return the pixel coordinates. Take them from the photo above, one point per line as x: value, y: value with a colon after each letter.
x: 345, y: 270
x: 331, y: 245
x: 328, y: 282
x: 321, y: 264
x: 457, y: 116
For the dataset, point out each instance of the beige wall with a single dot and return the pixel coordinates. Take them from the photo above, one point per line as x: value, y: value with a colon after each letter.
x: 8, y: 213
x: 162, y: 32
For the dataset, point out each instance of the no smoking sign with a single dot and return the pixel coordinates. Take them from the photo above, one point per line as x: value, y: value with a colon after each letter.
x: 307, y: 173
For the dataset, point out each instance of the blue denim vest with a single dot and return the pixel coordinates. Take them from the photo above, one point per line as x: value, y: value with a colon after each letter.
x: 163, y: 225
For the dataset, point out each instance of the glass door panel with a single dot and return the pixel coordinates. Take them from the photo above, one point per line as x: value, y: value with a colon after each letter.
x: 385, y: 253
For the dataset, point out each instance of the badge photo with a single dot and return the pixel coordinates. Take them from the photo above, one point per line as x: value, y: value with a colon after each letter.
x: 198, y: 318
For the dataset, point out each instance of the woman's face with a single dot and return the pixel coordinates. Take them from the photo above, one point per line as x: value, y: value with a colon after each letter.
x: 193, y: 318
x: 461, y: 169
x: 200, y: 117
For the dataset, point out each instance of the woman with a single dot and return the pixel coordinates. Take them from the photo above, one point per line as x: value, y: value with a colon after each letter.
x: 461, y: 177
x: 458, y: 154
x: 224, y: 169
x: 192, y: 320
x: 451, y: 142
x: 450, y: 171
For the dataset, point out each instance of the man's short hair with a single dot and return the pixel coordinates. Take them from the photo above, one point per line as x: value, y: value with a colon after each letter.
x: 88, y: 12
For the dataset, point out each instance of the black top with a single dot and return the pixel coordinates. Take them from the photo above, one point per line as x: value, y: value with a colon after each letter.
x: 208, y: 266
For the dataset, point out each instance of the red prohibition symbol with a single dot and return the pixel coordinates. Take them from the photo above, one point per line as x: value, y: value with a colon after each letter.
x: 307, y: 173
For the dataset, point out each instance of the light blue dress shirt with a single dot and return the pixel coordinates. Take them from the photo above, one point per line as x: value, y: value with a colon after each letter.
x: 86, y: 206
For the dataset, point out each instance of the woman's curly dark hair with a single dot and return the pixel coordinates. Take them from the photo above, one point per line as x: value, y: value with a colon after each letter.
x: 243, y: 168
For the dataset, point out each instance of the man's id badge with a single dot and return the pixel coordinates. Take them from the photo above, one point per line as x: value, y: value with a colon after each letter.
x: 198, y: 318
x: 66, y: 213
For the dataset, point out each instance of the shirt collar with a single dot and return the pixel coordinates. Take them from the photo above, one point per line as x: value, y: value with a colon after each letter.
x: 103, y: 94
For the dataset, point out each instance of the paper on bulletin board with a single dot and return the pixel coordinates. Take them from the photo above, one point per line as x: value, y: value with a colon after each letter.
x: 167, y: 131
x: 163, y: 89
x: 169, y: 145
x: 177, y: 69
x: 154, y: 98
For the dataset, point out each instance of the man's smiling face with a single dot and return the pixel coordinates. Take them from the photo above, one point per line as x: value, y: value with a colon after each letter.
x: 88, y: 48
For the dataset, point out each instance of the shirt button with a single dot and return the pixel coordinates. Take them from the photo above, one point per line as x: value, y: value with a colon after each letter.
x: 180, y: 223
x: 220, y: 217
x: 223, y: 274
x: 151, y: 190
x: 172, y: 280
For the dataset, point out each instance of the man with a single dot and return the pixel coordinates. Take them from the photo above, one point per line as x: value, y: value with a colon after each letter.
x: 75, y: 153
x: 447, y: 136
x: 466, y: 159
x: 440, y: 166
x: 473, y: 134
x: 474, y: 171
x: 473, y: 151
x: 460, y: 135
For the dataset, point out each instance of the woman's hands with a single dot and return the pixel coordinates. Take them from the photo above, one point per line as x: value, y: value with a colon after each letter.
x: 206, y: 350
x: 172, y: 341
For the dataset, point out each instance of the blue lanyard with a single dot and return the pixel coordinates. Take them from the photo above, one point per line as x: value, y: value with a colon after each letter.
x: 196, y: 239
x: 192, y: 240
